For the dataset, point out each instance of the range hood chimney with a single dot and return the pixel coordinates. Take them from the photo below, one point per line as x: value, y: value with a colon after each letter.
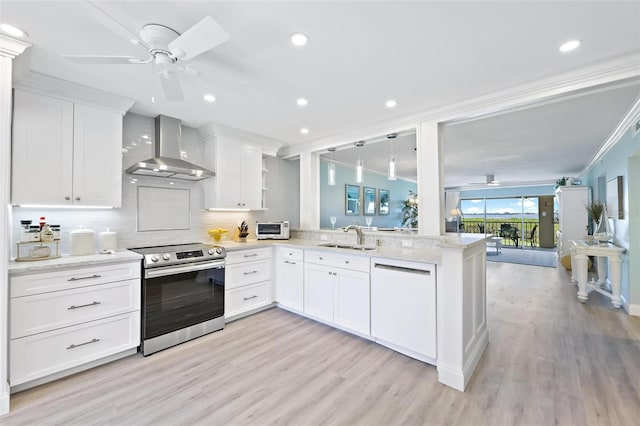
x: 167, y: 162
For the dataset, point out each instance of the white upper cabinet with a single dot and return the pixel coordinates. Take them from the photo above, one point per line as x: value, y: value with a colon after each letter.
x: 238, y: 180
x: 64, y: 153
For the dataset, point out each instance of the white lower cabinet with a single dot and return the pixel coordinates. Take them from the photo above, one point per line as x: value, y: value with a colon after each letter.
x: 290, y: 275
x: 336, y: 294
x: 63, y: 319
x: 403, y: 306
x: 247, y: 281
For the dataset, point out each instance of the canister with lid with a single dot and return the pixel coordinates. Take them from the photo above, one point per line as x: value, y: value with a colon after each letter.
x: 107, y: 241
x: 83, y: 241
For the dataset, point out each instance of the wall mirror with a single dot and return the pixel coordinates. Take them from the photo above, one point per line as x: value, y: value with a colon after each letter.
x: 352, y: 200
x: 369, y: 205
x: 383, y: 200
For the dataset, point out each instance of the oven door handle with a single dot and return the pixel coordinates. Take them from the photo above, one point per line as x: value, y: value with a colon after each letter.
x: 172, y: 270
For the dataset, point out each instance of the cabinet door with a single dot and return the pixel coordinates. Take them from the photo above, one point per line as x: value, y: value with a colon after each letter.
x: 352, y: 301
x: 251, y: 177
x: 97, y: 157
x: 290, y: 283
x: 42, y: 150
x: 228, y: 179
x: 319, y: 284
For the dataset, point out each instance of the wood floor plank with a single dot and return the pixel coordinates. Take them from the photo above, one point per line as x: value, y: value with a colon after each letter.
x: 550, y: 360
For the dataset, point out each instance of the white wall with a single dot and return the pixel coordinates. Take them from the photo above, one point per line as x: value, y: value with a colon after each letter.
x: 282, y: 197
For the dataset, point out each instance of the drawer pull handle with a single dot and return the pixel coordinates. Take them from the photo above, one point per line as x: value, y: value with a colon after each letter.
x: 320, y: 258
x: 251, y: 272
x: 251, y: 255
x: 249, y: 298
x: 346, y: 261
x: 84, y: 278
x: 290, y: 263
x: 335, y: 273
x: 73, y: 346
x: 83, y: 306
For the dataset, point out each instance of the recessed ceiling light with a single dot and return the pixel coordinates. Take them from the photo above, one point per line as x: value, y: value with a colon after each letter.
x: 299, y: 39
x: 391, y: 103
x: 304, y: 131
x: 570, y: 45
x: 209, y: 98
x: 302, y: 102
x: 11, y: 30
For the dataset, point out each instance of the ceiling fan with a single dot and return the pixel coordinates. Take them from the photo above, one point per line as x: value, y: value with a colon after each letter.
x: 165, y: 48
x: 490, y: 181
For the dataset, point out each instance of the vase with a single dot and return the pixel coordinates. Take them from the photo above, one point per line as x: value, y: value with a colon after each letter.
x: 603, y: 232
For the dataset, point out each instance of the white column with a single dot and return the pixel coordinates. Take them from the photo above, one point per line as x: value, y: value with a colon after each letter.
x: 309, y: 191
x: 430, y: 179
x: 9, y: 49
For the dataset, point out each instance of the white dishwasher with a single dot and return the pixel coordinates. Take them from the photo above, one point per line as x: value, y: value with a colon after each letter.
x: 403, y: 307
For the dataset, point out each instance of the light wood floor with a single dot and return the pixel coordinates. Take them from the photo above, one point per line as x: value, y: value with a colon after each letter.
x: 550, y: 360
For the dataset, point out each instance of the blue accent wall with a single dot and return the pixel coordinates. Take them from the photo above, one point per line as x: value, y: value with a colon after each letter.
x: 615, y: 163
x: 332, y: 198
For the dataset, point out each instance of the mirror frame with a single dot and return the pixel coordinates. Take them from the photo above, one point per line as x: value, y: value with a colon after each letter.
x: 353, y: 188
x: 369, y: 196
x: 383, y: 211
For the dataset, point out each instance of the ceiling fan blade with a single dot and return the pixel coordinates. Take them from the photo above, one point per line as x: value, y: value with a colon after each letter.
x: 171, y: 86
x: 203, y: 36
x: 189, y: 70
x: 112, y: 24
x: 99, y: 60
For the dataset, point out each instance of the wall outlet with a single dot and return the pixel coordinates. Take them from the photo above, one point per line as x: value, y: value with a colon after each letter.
x: 323, y: 237
x: 407, y: 243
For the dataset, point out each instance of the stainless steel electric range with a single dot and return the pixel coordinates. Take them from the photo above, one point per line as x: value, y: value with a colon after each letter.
x: 182, y: 293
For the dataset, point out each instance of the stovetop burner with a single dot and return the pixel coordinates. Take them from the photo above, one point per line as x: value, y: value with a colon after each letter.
x: 155, y: 256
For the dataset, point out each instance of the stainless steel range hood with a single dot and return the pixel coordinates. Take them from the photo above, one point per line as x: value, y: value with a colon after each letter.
x: 167, y: 162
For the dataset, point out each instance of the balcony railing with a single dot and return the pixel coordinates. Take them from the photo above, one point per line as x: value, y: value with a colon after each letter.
x: 511, y: 231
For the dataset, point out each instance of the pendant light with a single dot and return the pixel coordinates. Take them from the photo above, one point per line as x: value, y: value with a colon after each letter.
x: 331, y: 171
x: 391, y: 170
x: 359, y: 164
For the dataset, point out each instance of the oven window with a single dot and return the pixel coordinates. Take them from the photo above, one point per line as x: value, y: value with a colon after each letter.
x: 269, y: 229
x: 177, y: 301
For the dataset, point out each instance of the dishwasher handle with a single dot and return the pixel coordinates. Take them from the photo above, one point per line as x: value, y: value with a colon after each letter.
x: 402, y: 269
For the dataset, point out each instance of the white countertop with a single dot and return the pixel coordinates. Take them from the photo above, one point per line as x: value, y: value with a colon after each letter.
x: 68, y: 261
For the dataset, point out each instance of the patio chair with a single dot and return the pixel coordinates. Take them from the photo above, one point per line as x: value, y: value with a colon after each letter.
x: 481, y: 228
x: 532, y: 235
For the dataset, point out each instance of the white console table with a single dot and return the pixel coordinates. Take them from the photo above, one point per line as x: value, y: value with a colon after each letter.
x: 580, y: 252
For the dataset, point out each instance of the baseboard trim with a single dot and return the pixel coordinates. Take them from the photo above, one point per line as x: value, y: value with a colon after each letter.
x: 460, y: 379
x: 4, y: 403
x: 631, y: 309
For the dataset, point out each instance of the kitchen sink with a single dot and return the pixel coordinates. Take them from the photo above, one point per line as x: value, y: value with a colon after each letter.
x: 346, y: 246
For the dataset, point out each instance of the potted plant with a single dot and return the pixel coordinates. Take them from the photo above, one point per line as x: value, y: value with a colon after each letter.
x: 595, y: 214
x: 410, y: 211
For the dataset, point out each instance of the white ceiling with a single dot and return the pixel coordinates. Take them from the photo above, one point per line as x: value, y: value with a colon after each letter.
x: 424, y: 54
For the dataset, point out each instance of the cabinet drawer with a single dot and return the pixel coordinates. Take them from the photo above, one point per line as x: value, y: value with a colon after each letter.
x: 43, y: 354
x: 242, y: 274
x: 24, y: 285
x: 291, y: 253
x: 244, y: 299
x: 44, y: 312
x: 356, y: 263
x: 249, y: 255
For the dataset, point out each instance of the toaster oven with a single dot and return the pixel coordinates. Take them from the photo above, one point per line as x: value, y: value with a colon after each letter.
x: 272, y: 230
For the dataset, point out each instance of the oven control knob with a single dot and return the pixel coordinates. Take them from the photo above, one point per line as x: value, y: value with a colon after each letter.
x: 219, y: 250
x: 154, y: 258
x: 211, y: 251
x: 166, y: 256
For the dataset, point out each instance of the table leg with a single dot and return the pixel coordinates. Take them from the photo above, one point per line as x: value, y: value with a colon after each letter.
x: 582, y: 265
x: 602, y: 269
x: 574, y: 265
x: 615, y: 264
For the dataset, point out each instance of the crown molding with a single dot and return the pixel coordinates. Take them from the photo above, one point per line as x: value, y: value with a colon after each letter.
x: 11, y: 47
x: 33, y: 81
x: 210, y: 130
x: 615, y: 70
x: 632, y: 116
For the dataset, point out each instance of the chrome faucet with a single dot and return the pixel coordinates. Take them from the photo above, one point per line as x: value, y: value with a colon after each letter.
x: 359, y: 232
